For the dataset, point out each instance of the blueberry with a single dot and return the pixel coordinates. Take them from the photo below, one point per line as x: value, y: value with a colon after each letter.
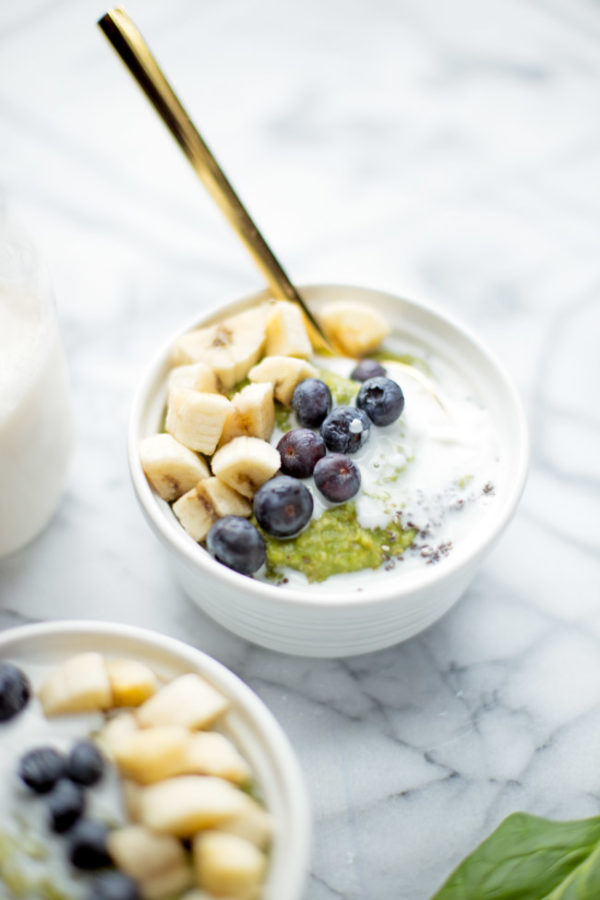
x: 346, y: 429
x: 283, y: 506
x: 41, y: 768
x: 66, y: 803
x: 85, y: 764
x: 337, y: 477
x: 311, y: 402
x: 87, y: 845
x: 382, y: 400
x: 367, y: 368
x: 15, y: 691
x: 300, y: 450
x: 113, y: 886
x: 236, y: 543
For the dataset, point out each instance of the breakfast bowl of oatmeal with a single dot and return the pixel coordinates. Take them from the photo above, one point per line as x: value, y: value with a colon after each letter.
x: 135, y: 767
x: 327, y: 503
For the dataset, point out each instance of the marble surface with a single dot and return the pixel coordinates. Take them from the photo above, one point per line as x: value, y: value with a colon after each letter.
x: 445, y: 151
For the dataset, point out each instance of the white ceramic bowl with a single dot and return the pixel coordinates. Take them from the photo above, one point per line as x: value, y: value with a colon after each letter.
x: 320, y: 622
x: 249, y: 723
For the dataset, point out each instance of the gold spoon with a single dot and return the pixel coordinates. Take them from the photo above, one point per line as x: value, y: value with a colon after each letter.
x: 135, y: 53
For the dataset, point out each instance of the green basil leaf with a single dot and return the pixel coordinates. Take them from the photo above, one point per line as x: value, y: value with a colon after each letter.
x: 529, y: 858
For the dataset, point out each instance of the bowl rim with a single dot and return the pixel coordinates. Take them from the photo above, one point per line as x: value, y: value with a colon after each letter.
x: 298, y: 819
x: 178, y: 541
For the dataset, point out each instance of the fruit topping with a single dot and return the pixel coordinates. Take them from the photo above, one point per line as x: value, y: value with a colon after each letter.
x: 209, y: 501
x: 367, y: 368
x: 357, y: 328
x: 66, y: 803
x: 311, y: 402
x: 337, y: 477
x: 300, y: 450
x: 85, y: 764
x: 236, y: 543
x: 228, y: 865
x: 196, y: 419
x: 158, y: 862
x: 113, y: 886
x: 182, y: 806
x: 88, y: 845
x: 286, y: 332
x: 230, y: 348
x: 285, y: 372
x: 81, y: 684
x: 15, y: 691
x: 197, y: 377
x: 245, y: 463
x: 283, y: 506
x: 382, y: 400
x: 131, y: 682
x: 171, y: 468
x: 346, y: 429
x: 252, y: 412
x: 151, y: 754
x: 41, y: 768
x: 188, y: 700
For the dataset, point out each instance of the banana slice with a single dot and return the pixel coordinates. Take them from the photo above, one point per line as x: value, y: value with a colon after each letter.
x: 196, y: 377
x: 230, y: 348
x: 286, y: 332
x: 81, y: 684
x: 151, y: 754
x: 171, y: 468
x: 211, y: 753
x: 182, y: 806
x: 245, y: 463
x: 357, y: 328
x: 210, y: 500
x: 188, y: 700
x: 131, y: 681
x: 169, y: 884
x: 285, y: 372
x: 254, y: 824
x: 252, y: 413
x: 157, y: 861
x: 228, y: 865
x: 114, y: 731
x: 196, y: 419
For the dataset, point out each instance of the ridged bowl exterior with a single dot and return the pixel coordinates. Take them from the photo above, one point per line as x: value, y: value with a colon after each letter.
x: 320, y: 622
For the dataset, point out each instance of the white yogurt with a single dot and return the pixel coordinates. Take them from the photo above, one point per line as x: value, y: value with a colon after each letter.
x: 35, y: 419
x: 40, y: 855
x: 437, y: 469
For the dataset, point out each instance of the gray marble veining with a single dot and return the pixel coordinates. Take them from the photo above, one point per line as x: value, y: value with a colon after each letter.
x: 447, y: 151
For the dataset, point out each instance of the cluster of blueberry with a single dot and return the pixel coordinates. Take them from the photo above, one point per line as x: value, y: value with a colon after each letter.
x: 283, y: 505
x: 62, y: 779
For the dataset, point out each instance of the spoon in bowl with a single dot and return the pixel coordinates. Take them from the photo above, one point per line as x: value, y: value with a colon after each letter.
x: 125, y: 38
x: 129, y: 44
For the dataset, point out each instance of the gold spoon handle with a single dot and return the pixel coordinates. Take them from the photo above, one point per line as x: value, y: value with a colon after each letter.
x: 135, y: 53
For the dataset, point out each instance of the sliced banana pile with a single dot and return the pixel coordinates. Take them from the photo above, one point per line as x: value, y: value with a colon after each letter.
x: 216, y: 453
x: 194, y: 832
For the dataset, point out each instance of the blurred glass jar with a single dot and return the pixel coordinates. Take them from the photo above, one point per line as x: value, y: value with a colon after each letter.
x: 35, y: 410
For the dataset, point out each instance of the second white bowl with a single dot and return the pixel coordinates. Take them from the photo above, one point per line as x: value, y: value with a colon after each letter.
x: 248, y: 723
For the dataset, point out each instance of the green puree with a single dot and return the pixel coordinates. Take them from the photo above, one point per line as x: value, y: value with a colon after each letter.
x: 14, y: 868
x: 336, y: 543
x: 343, y: 390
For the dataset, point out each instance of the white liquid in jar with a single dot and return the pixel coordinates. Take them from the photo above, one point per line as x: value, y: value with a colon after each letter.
x: 35, y: 422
